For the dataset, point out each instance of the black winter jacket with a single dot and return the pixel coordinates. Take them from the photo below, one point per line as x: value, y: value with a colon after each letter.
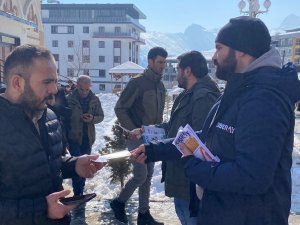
x: 29, y: 168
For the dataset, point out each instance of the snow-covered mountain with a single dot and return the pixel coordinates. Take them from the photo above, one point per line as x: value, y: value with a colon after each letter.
x: 290, y: 22
x: 194, y: 37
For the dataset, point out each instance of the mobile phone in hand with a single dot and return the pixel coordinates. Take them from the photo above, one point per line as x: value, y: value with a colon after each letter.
x: 77, y: 200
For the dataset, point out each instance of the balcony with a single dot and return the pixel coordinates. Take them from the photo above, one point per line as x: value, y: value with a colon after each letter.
x: 118, y: 35
x: 101, y: 20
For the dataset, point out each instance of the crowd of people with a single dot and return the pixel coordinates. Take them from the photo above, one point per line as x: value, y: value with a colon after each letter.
x: 250, y: 127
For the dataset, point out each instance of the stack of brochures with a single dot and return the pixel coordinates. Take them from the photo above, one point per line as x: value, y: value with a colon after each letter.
x: 187, y: 136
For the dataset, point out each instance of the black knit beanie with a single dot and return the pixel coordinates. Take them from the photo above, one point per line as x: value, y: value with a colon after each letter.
x: 246, y: 34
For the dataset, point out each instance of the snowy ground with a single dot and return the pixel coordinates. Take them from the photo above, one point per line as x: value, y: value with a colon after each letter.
x: 101, y: 185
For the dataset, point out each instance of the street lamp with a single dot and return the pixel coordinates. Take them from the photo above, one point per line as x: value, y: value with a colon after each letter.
x: 254, y: 7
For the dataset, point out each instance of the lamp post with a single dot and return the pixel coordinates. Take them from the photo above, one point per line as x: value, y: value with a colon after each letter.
x: 254, y: 7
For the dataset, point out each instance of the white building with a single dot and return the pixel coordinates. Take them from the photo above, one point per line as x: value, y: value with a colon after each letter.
x: 92, y: 38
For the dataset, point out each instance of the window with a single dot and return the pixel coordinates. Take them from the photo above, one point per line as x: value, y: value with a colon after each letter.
x: 70, y: 72
x: 70, y: 58
x: 70, y: 44
x: 101, y: 73
x: 102, y: 58
x: 85, y: 58
x: 70, y: 29
x: 297, y: 51
x: 101, y: 29
x: 86, y: 30
x: 86, y: 72
x: 54, y: 29
x: 117, y: 59
x: 56, y: 57
x: 85, y: 43
x: 117, y: 30
x: 101, y: 87
x: 297, y: 41
x: 117, y: 44
x: 101, y: 44
x: 54, y: 43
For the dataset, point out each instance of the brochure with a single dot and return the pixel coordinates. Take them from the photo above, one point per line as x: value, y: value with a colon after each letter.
x: 153, y: 134
x: 188, y: 136
x: 115, y: 155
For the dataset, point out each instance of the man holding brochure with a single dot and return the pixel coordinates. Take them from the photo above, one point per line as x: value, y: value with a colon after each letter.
x: 250, y: 129
x: 190, y: 107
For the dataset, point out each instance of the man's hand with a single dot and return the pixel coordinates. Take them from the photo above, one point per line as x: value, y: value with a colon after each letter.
x: 185, y: 150
x: 86, y: 167
x: 138, y: 154
x: 135, y: 134
x: 87, y: 118
x: 56, y: 210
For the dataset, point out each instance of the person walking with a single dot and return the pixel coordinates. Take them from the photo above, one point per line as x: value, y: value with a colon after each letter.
x: 141, y: 103
x: 251, y: 130
x: 86, y: 112
x: 31, y: 162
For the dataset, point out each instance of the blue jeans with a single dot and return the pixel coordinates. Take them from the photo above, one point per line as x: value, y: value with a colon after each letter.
x: 76, y: 149
x: 183, y: 212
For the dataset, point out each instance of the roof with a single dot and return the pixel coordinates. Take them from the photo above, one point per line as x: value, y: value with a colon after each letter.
x: 127, y: 68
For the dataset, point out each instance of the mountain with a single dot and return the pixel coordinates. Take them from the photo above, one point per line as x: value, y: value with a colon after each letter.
x: 290, y: 22
x: 194, y: 37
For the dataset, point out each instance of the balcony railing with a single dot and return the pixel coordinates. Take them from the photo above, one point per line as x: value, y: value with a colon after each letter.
x: 118, y: 34
x: 93, y: 20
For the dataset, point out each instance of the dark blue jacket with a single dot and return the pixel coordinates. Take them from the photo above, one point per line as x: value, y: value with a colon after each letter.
x: 251, y: 130
x: 31, y: 166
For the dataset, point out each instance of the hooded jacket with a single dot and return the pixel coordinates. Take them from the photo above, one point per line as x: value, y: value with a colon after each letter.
x: 251, y: 130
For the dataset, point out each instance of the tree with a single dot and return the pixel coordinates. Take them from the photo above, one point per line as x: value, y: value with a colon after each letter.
x: 120, y: 168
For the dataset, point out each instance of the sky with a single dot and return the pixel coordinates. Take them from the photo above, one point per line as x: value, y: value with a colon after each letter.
x: 174, y: 16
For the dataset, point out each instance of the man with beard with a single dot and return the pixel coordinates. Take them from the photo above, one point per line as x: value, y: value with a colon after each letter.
x: 250, y: 129
x: 31, y: 165
x: 190, y: 107
x: 141, y: 103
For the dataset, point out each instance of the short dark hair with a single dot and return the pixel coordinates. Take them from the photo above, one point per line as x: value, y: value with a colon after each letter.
x: 22, y: 57
x: 196, y: 61
x: 157, y: 51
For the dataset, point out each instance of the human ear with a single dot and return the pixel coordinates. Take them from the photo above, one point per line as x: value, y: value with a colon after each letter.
x: 17, y: 82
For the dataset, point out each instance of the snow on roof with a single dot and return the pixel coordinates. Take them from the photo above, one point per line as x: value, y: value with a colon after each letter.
x: 127, y: 68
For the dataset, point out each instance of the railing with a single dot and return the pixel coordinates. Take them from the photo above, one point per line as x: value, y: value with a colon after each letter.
x: 93, y: 20
x: 118, y: 34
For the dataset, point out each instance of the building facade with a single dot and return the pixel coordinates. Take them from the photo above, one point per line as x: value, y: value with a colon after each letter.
x: 93, y: 38
x: 288, y: 44
x: 20, y: 23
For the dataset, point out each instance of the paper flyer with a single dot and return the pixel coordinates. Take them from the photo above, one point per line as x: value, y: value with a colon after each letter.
x: 188, y: 136
x: 115, y: 155
x: 153, y: 134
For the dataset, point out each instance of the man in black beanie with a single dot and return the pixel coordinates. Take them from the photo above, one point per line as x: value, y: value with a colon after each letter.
x: 250, y: 129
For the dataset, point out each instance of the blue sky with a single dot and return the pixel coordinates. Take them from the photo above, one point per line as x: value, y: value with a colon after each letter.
x: 175, y: 15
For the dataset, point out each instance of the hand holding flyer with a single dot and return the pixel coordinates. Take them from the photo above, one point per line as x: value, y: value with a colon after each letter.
x: 188, y: 137
x: 153, y: 134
